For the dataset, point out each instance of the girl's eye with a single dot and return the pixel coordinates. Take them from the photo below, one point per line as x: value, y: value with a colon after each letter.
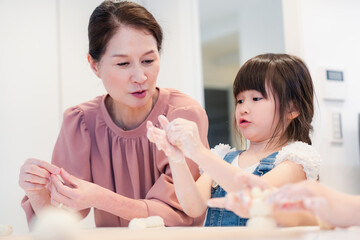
x: 240, y: 101
x: 257, y: 99
x: 148, y: 61
x: 123, y: 64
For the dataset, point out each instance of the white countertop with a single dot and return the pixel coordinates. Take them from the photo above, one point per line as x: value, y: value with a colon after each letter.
x: 210, y: 233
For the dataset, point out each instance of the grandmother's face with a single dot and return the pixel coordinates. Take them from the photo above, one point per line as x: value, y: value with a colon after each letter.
x: 129, y: 67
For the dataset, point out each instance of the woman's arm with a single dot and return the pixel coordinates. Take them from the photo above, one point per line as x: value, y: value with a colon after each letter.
x: 335, y: 208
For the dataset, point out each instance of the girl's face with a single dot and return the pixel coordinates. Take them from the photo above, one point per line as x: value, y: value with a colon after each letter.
x: 255, y: 115
x: 129, y: 67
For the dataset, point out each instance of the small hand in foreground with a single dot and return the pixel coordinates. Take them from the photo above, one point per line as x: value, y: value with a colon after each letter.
x: 239, y: 202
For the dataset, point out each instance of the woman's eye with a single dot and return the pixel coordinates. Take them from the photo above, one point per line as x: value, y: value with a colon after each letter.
x: 148, y: 61
x: 240, y: 101
x: 123, y: 64
x: 257, y: 99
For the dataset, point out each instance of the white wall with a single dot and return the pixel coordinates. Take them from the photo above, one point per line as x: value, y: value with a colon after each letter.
x: 44, y: 70
x: 260, y: 27
x: 326, y: 34
x: 29, y: 95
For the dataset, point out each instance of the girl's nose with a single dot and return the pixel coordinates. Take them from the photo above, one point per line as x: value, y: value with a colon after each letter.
x: 244, y: 108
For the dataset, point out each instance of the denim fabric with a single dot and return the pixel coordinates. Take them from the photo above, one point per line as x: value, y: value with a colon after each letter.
x: 223, y: 217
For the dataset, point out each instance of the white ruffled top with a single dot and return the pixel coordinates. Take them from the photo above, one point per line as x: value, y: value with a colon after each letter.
x: 298, y: 152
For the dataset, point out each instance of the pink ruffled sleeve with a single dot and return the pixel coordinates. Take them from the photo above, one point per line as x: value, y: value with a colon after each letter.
x: 163, y: 190
x: 71, y: 152
x: 72, y: 149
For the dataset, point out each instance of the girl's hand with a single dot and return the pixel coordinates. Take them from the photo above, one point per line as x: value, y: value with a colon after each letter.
x: 184, y: 134
x: 239, y: 202
x: 74, y: 193
x: 158, y: 136
x: 35, y: 175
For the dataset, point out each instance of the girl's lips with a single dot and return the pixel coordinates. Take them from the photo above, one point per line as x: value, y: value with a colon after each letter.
x: 139, y: 94
x: 243, y: 122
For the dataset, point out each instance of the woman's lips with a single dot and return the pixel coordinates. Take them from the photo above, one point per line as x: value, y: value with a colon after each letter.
x: 139, y: 94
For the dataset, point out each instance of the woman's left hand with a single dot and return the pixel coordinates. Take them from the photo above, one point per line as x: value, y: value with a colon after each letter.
x: 74, y: 193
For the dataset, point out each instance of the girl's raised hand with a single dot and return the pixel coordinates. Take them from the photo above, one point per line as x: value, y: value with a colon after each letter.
x: 158, y: 136
x: 183, y: 134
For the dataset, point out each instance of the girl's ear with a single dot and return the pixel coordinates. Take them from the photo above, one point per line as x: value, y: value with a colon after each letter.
x: 94, y: 65
x: 293, y: 113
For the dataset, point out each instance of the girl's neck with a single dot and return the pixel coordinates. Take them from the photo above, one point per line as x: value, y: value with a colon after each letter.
x: 130, y: 118
x: 256, y: 152
x: 265, y: 146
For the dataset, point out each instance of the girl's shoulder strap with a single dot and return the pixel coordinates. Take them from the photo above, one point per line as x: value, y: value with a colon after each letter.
x: 229, y: 157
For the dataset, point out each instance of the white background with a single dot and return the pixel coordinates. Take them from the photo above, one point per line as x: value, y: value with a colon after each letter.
x: 43, y: 70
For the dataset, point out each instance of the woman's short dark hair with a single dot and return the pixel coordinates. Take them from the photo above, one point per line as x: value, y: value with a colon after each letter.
x: 289, y: 81
x: 110, y: 15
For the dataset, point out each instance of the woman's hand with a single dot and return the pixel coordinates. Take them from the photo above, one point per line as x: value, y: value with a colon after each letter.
x: 73, y: 193
x: 184, y: 134
x: 158, y: 136
x: 35, y: 175
x: 330, y: 206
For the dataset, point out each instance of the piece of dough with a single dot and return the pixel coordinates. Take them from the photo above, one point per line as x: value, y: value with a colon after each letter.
x: 53, y: 223
x: 149, y: 222
x: 260, y: 212
x: 5, y: 230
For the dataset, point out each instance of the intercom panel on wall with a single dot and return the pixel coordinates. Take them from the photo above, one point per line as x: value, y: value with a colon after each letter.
x: 334, y: 84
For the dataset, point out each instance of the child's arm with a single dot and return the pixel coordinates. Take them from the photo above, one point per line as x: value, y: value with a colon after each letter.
x: 184, y: 134
x: 192, y: 195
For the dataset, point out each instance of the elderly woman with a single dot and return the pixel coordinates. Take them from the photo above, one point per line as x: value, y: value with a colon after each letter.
x: 102, y: 153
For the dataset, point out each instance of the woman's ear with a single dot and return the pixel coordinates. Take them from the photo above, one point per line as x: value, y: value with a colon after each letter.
x: 293, y: 113
x: 94, y: 65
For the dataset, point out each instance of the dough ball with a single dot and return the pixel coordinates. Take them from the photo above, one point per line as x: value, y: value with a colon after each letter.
x: 5, y: 230
x: 256, y: 192
x: 261, y: 222
x: 154, y: 221
x: 137, y: 223
x: 55, y: 224
x: 259, y: 208
x: 149, y: 222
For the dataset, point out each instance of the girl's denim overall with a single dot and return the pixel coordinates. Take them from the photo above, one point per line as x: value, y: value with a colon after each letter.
x: 223, y: 217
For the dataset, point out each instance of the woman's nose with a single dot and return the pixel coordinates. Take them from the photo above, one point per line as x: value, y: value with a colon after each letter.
x: 139, y: 75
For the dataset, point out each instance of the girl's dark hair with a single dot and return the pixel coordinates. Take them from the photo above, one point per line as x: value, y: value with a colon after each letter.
x: 289, y: 81
x: 110, y: 15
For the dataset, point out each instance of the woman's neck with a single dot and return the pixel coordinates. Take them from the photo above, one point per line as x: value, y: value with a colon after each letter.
x: 129, y: 118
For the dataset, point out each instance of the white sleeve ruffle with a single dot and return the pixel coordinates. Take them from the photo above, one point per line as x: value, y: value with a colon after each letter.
x: 303, y: 154
x: 220, y: 150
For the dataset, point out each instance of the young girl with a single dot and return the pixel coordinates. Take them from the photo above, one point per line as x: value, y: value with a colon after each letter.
x: 273, y: 110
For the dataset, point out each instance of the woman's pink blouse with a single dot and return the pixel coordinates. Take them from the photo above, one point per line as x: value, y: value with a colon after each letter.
x: 91, y: 147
